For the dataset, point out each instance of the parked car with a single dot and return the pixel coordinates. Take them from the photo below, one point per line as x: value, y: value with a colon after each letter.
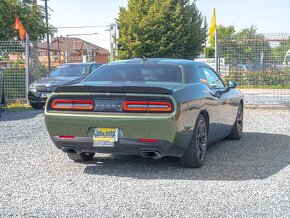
x: 63, y: 74
x: 2, y: 98
x: 148, y: 107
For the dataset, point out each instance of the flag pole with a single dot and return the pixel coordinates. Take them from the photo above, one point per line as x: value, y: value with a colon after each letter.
x: 27, y: 67
x: 216, y: 53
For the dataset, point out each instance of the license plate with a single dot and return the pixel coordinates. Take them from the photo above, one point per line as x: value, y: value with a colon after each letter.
x: 45, y: 95
x: 105, y: 137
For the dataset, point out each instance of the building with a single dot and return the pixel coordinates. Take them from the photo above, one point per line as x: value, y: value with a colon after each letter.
x: 78, y: 51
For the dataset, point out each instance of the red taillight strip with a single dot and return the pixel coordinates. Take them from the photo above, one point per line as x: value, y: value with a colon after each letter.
x: 135, y: 106
x: 71, y: 104
x: 159, y: 106
x: 148, y: 140
x: 66, y: 137
x: 151, y: 106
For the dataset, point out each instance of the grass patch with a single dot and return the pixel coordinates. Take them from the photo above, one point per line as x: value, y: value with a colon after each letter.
x: 264, y: 86
x: 17, y: 107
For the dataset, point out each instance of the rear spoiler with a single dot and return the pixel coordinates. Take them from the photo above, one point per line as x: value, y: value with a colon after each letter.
x: 114, y: 89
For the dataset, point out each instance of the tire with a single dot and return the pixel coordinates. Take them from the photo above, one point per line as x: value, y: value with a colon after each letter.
x: 237, y: 131
x: 195, y: 155
x: 37, y: 105
x: 81, y: 156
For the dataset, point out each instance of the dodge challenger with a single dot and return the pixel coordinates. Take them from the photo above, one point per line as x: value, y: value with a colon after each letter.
x: 149, y: 107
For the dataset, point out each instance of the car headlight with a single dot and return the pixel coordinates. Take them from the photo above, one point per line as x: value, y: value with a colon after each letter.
x: 32, y: 87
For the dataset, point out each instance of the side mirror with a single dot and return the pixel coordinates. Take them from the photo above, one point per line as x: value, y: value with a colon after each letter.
x: 232, y: 84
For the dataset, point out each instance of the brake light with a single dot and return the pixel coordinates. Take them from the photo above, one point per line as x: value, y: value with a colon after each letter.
x: 71, y: 104
x: 135, y: 106
x: 147, y: 106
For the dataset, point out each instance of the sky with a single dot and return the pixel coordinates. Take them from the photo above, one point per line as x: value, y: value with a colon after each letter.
x: 269, y: 16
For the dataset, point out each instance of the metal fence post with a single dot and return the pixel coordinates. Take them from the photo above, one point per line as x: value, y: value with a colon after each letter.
x: 27, y: 68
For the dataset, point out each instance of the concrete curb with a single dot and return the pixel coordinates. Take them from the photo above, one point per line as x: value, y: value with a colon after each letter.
x: 268, y: 106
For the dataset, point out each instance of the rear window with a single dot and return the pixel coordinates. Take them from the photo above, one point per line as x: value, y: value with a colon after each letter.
x: 137, y: 73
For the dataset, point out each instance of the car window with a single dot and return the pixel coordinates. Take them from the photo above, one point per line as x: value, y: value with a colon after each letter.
x: 137, y: 73
x: 69, y: 70
x: 211, y: 78
x: 94, y: 67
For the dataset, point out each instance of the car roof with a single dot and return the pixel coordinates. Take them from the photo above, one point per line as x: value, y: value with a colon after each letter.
x: 156, y: 61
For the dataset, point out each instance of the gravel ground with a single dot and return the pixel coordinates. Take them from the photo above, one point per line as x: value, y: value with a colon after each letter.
x: 247, y: 178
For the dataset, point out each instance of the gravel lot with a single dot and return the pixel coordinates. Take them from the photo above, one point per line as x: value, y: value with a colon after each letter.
x: 247, y: 178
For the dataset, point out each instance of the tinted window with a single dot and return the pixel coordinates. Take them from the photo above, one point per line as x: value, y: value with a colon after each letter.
x: 70, y: 70
x: 137, y: 72
x: 94, y: 67
x: 213, y: 81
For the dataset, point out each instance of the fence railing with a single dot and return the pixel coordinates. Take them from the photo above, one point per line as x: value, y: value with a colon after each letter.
x: 260, y: 64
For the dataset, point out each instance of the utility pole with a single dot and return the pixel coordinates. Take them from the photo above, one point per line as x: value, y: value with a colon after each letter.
x: 47, y: 35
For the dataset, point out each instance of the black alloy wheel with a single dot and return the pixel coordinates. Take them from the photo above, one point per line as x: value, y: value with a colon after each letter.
x: 195, y: 155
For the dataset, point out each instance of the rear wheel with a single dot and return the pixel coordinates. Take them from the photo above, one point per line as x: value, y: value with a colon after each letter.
x: 81, y: 156
x: 195, y: 155
x: 37, y: 105
x: 237, y: 131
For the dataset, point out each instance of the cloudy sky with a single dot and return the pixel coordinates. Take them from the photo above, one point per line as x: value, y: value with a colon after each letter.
x: 269, y: 16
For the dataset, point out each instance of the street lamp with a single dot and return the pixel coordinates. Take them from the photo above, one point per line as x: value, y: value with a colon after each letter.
x: 66, y: 41
x: 111, y: 28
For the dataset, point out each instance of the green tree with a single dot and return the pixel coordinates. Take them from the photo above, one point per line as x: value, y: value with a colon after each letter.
x: 155, y: 28
x: 225, y: 33
x: 30, y: 14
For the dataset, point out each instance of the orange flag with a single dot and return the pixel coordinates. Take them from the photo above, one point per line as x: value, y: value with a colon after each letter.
x: 18, y: 26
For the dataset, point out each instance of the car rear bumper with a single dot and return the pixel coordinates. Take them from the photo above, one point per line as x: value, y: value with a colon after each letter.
x: 123, y: 147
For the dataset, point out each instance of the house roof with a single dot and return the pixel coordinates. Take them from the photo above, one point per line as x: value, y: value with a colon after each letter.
x: 75, y: 45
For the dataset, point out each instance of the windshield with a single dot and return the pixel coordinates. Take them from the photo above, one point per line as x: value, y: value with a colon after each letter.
x: 70, y: 70
x: 137, y: 73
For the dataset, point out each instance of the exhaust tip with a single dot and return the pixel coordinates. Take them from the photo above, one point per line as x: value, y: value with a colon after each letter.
x: 69, y: 150
x: 151, y: 154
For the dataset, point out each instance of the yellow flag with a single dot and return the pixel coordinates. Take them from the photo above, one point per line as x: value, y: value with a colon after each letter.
x: 213, y: 26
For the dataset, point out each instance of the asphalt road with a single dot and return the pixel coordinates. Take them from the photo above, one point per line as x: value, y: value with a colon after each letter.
x: 267, y: 96
x: 246, y: 178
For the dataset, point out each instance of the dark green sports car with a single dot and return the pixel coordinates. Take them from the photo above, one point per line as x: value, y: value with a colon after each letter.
x: 148, y: 107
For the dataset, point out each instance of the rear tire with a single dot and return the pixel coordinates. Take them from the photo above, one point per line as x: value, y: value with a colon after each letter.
x: 195, y: 155
x: 37, y: 105
x: 81, y: 156
x: 237, y: 131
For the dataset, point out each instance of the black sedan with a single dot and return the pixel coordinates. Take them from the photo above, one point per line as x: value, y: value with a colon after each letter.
x: 64, y: 74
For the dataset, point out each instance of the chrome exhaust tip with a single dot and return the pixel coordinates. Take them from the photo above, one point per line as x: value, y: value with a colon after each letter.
x: 151, y: 154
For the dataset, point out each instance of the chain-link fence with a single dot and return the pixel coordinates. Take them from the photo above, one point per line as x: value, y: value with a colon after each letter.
x: 260, y: 64
x: 12, y: 59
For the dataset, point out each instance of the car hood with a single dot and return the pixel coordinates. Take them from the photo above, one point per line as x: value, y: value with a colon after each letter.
x: 57, y: 81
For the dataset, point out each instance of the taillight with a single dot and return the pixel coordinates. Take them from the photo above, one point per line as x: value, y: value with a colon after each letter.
x: 71, y: 104
x: 147, y: 106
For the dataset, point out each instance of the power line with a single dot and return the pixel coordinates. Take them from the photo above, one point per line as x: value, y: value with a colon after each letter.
x: 80, y: 27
